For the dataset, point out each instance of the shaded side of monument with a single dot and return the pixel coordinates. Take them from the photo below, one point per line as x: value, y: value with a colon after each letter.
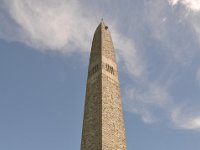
x: 103, y: 124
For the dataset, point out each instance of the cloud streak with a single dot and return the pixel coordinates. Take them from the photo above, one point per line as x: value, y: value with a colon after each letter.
x: 184, y: 120
x: 52, y: 25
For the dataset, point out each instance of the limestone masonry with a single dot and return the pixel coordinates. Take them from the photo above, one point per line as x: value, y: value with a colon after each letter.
x: 103, y: 124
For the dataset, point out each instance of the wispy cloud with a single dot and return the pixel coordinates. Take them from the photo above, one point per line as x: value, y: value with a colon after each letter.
x: 156, y: 94
x: 193, y: 5
x: 52, y: 25
x: 185, y: 120
x: 157, y: 45
x: 147, y: 100
x: 128, y: 55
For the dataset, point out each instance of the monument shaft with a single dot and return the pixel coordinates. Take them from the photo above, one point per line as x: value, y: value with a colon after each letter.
x: 103, y: 124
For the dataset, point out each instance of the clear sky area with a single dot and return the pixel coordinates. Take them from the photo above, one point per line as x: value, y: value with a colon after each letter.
x: 44, y: 56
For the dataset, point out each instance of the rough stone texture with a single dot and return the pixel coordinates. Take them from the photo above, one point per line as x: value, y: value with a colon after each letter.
x: 103, y: 124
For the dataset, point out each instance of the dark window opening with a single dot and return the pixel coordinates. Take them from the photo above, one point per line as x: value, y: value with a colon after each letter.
x: 94, y: 69
x: 109, y: 69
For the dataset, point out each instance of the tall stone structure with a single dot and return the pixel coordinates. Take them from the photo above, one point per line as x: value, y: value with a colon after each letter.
x: 103, y: 124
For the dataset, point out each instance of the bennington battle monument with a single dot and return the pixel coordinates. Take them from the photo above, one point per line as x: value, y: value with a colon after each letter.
x: 103, y: 124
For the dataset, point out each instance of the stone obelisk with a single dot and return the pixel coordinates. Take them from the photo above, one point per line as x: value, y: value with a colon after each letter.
x: 103, y: 124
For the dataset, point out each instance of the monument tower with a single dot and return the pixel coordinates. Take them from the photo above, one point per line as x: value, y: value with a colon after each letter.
x: 103, y: 124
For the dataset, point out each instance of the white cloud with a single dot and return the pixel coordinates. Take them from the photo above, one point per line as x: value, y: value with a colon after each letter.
x: 154, y: 104
x: 173, y: 2
x: 182, y: 119
x: 53, y: 25
x: 193, y: 5
x: 149, y: 100
x: 128, y: 54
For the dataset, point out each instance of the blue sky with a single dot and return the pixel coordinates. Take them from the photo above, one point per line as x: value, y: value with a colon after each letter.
x: 44, y: 54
